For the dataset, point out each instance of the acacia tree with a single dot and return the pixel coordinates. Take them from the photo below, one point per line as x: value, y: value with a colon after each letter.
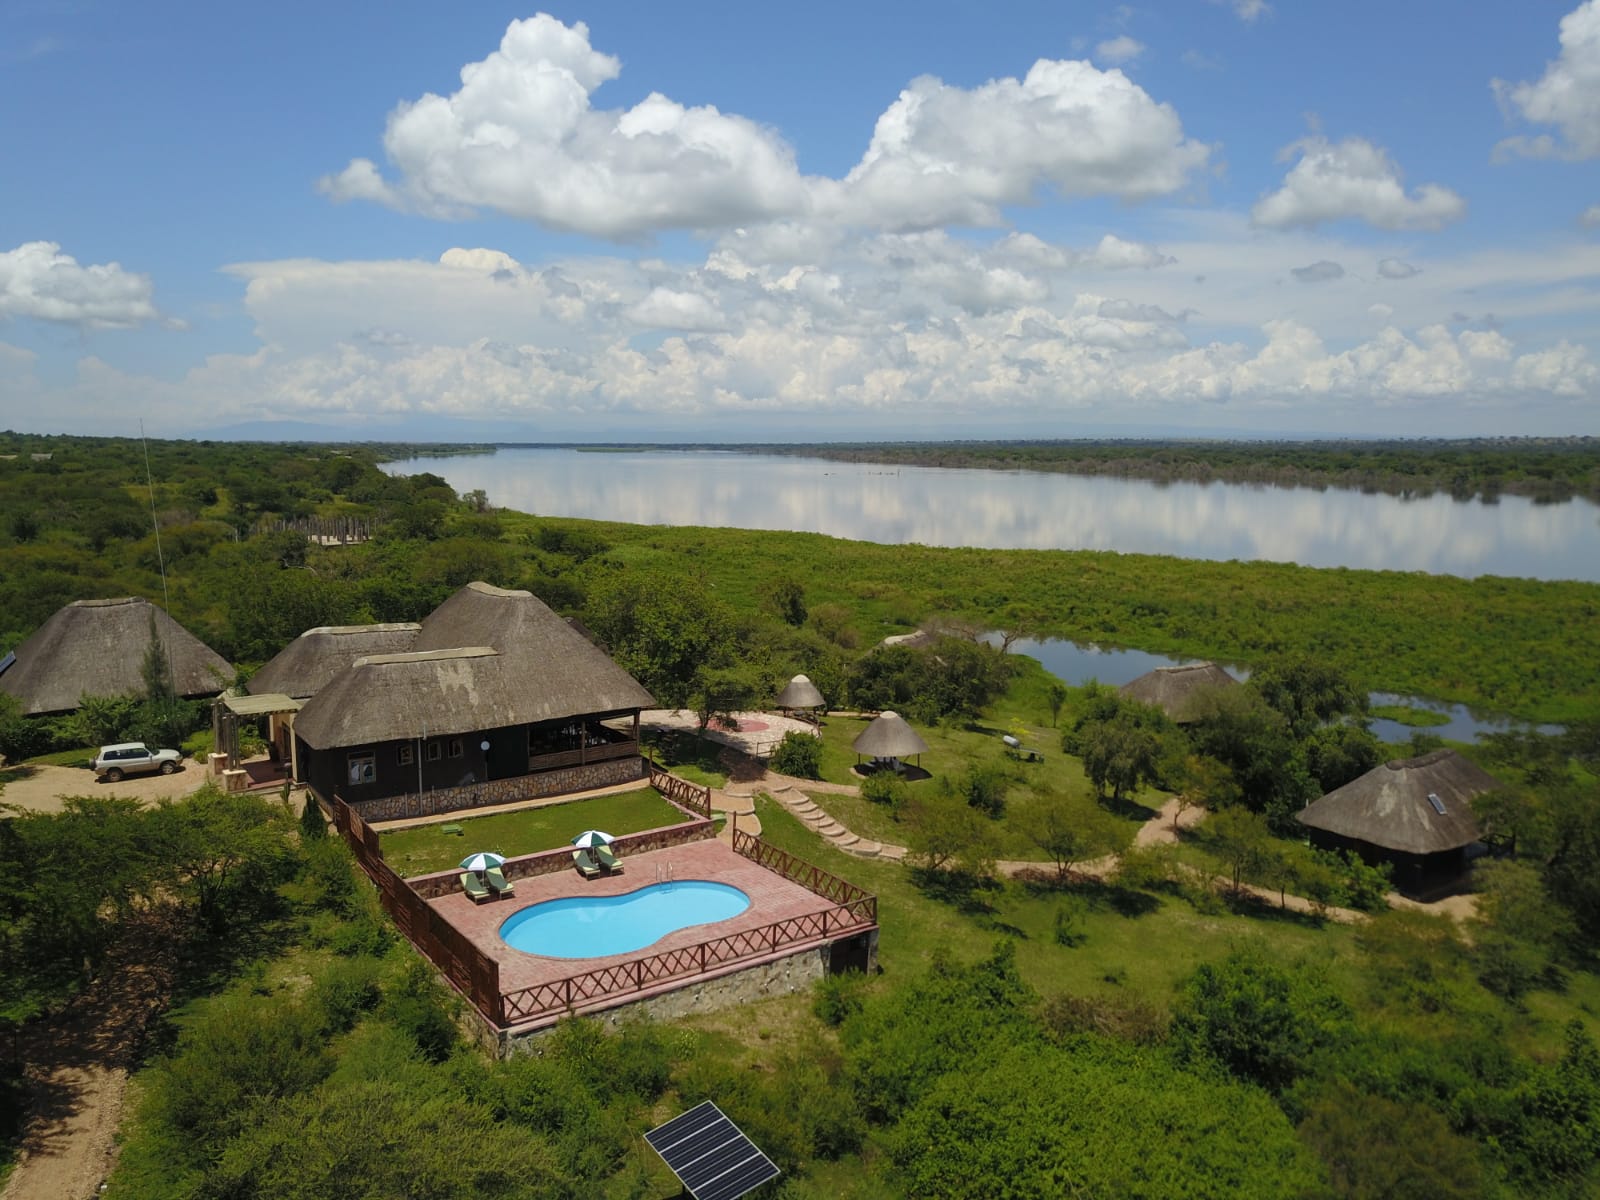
x: 664, y: 629
x: 1069, y: 832
x: 1120, y: 753
x: 1308, y: 693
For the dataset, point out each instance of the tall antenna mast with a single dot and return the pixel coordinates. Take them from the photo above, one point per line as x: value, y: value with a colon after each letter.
x: 161, y: 561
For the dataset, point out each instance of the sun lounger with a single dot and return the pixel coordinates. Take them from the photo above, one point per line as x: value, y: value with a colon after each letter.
x: 471, y: 885
x: 498, y: 881
x: 586, y: 865
x: 607, y: 859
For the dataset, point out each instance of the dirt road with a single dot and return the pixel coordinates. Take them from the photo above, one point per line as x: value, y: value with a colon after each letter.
x: 41, y: 789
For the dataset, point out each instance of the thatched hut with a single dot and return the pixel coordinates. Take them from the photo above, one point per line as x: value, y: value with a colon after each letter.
x: 888, y: 740
x: 1173, y: 689
x: 801, y: 695
x: 98, y: 648
x: 495, y: 687
x: 308, y: 664
x: 1415, y: 813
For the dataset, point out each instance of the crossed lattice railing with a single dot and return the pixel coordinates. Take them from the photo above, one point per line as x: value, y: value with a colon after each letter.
x: 812, y: 878
x: 607, y: 983
x: 693, y: 796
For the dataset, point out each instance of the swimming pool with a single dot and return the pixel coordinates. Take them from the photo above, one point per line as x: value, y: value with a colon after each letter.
x: 592, y: 926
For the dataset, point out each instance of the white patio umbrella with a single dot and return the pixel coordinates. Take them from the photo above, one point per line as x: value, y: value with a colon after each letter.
x: 590, y: 838
x: 482, y: 861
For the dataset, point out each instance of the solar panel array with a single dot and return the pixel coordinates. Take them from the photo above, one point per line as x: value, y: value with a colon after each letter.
x: 710, y: 1155
x: 7, y: 661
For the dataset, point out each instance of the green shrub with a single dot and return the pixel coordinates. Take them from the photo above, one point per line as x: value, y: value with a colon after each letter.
x: 313, y: 825
x: 838, y: 997
x: 418, y: 1004
x: 198, y: 745
x: 344, y: 990
x: 984, y: 788
x: 884, y: 787
x: 799, y: 755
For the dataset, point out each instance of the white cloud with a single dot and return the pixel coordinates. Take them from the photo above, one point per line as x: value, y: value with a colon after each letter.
x: 1352, y: 179
x: 944, y: 155
x: 1562, y: 370
x: 1394, y: 268
x: 1567, y: 95
x: 521, y: 137
x: 1590, y: 217
x: 1118, y: 50
x: 37, y: 280
x: 1113, y: 252
x: 665, y: 308
x: 1321, y: 271
x: 1251, y: 10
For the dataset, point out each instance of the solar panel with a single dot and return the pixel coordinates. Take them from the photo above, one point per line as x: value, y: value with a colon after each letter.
x: 6, y: 662
x: 1438, y: 804
x: 708, y: 1153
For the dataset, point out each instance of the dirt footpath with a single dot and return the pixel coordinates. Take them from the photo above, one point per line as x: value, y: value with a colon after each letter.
x: 41, y: 789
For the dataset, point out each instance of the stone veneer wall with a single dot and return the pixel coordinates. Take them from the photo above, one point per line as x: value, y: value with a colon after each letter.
x: 779, y: 977
x: 503, y: 791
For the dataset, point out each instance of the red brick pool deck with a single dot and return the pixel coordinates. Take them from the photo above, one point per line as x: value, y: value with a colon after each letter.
x: 772, y: 898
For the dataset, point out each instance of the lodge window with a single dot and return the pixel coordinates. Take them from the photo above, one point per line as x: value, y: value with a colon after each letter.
x: 408, y: 754
x: 363, y: 768
x: 455, y: 747
x: 435, y: 752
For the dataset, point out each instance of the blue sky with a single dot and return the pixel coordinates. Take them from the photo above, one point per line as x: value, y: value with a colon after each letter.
x: 822, y: 221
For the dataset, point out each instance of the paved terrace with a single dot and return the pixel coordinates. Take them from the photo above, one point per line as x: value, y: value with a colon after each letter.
x: 772, y: 898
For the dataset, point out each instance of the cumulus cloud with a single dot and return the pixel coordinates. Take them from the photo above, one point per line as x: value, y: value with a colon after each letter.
x: 1352, y: 179
x: 1567, y: 95
x: 1318, y: 272
x: 945, y: 155
x: 522, y: 137
x: 665, y: 308
x: 1394, y: 268
x: 1590, y: 218
x: 1127, y: 310
x: 1114, y: 253
x: 38, y: 280
x: 1251, y: 10
x: 1118, y: 50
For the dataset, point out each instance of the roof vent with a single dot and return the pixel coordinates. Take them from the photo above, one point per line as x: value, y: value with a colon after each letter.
x: 1438, y: 804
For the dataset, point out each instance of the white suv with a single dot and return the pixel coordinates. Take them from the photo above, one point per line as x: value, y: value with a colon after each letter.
x: 134, y: 758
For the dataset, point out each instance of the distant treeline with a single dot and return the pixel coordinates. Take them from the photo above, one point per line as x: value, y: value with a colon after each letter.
x: 1546, y: 469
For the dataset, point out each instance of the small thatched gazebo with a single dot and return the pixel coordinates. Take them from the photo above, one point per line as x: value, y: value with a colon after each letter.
x: 1172, y: 689
x: 888, y: 740
x: 801, y: 696
x: 98, y: 648
x: 1415, y: 813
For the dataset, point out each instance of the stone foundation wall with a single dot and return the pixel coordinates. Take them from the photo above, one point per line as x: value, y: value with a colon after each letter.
x: 436, y: 801
x: 780, y: 977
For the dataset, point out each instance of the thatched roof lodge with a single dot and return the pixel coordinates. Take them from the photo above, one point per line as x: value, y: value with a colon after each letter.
x: 889, y: 739
x: 1173, y: 689
x: 1415, y: 813
x: 494, y: 699
x: 98, y: 648
x: 309, y: 663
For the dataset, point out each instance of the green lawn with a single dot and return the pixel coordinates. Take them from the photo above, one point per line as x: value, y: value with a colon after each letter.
x: 423, y: 848
x: 1144, y: 954
x: 688, y: 756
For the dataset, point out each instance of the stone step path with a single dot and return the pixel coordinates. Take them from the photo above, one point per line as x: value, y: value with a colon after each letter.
x: 812, y: 815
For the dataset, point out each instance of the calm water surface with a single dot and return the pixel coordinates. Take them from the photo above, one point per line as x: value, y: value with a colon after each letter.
x: 1076, y: 664
x: 938, y: 506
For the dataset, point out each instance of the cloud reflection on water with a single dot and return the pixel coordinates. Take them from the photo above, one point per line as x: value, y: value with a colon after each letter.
x: 1032, y: 510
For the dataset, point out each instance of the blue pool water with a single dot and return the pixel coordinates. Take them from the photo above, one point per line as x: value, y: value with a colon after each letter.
x: 592, y: 926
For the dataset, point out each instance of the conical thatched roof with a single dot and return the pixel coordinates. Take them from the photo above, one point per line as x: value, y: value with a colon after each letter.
x: 1389, y: 806
x: 97, y: 648
x: 800, y: 692
x: 484, y: 659
x: 304, y: 667
x: 889, y: 737
x: 1172, y: 688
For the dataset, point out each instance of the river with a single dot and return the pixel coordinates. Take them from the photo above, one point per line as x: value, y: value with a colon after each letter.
x: 939, y: 506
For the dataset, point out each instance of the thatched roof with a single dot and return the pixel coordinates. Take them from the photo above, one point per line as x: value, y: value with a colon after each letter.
x: 97, y: 648
x: 304, y: 667
x: 1172, y: 688
x: 484, y: 659
x: 889, y: 737
x: 1389, y: 806
x: 800, y: 692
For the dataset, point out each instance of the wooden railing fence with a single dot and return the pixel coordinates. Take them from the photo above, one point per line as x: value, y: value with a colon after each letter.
x: 847, y: 895
x: 474, y: 974
x: 564, y: 995
x: 692, y: 796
